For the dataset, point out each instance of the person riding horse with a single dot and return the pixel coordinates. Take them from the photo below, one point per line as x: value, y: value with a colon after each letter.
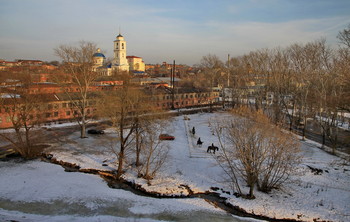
x: 212, y: 148
x: 199, y: 142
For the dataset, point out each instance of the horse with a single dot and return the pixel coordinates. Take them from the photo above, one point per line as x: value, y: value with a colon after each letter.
x: 199, y: 142
x: 212, y: 148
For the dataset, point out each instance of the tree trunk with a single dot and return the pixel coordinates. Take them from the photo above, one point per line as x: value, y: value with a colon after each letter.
x: 83, y: 125
x: 291, y: 118
x: 83, y: 131
x: 251, y: 192
x: 304, y: 128
x: 138, y: 146
x: 323, y: 138
x: 122, y: 146
x: 120, y: 163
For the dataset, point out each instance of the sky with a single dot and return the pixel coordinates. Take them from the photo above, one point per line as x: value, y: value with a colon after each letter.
x: 167, y: 30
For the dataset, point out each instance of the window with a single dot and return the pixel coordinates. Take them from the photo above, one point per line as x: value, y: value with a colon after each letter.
x: 0, y: 119
x: 122, y: 45
x: 55, y: 114
x: 117, y: 45
x: 68, y: 113
x: 48, y: 115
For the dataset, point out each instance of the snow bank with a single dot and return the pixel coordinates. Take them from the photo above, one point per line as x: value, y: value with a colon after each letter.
x: 305, y: 197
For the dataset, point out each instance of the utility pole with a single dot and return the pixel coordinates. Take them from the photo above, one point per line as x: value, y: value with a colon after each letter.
x: 172, y: 81
x: 228, y: 70
x: 228, y: 82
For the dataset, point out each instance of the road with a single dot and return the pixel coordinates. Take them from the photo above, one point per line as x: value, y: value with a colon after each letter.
x: 313, y: 132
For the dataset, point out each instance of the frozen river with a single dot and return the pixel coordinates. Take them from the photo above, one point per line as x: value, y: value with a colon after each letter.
x: 39, y: 191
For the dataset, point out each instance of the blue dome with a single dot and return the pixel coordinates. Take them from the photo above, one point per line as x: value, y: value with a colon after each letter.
x: 98, y: 54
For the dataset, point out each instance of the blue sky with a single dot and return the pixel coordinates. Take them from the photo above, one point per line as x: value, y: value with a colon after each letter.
x: 164, y: 30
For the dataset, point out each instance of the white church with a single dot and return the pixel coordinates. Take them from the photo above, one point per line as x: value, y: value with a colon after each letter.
x: 121, y: 62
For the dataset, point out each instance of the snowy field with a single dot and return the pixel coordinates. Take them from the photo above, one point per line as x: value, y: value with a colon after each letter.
x: 39, y: 191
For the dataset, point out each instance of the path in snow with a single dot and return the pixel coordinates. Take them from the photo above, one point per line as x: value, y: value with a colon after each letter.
x: 195, y: 151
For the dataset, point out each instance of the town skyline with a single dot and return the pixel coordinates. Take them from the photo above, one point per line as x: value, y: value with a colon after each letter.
x: 158, y: 31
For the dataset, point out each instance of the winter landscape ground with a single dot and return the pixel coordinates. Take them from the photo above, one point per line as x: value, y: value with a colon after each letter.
x: 41, y: 191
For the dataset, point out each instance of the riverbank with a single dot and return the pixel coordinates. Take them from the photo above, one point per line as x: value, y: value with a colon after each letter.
x: 210, y: 196
x: 192, y: 171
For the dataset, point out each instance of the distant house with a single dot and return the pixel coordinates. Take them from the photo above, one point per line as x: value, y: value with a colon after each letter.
x: 136, y: 64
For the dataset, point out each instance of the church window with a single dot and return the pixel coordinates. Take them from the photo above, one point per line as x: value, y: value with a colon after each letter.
x: 117, y: 45
x: 122, y: 45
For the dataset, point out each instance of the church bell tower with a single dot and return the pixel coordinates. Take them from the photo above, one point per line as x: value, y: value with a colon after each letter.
x: 120, y: 62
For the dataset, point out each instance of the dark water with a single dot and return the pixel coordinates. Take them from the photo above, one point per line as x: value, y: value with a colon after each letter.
x: 57, y: 210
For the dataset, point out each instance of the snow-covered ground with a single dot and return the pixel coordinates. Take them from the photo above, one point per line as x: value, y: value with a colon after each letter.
x: 24, y: 187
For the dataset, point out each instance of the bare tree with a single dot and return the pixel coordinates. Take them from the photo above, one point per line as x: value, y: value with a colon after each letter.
x: 154, y: 152
x: 257, y: 150
x: 302, y: 92
x: 343, y: 67
x: 144, y: 114
x: 24, y: 112
x: 119, y: 108
x: 212, y: 68
x: 326, y: 89
x: 344, y: 36
x: 77, y: 65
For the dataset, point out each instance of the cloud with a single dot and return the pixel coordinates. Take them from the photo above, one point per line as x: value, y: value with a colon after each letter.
x: 254, y: 35
x: 188, y: 41
x: 159, y: 32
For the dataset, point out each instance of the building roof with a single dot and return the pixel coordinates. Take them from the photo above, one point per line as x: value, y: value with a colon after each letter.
x: 136, y: 57
x: 98, y: 54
